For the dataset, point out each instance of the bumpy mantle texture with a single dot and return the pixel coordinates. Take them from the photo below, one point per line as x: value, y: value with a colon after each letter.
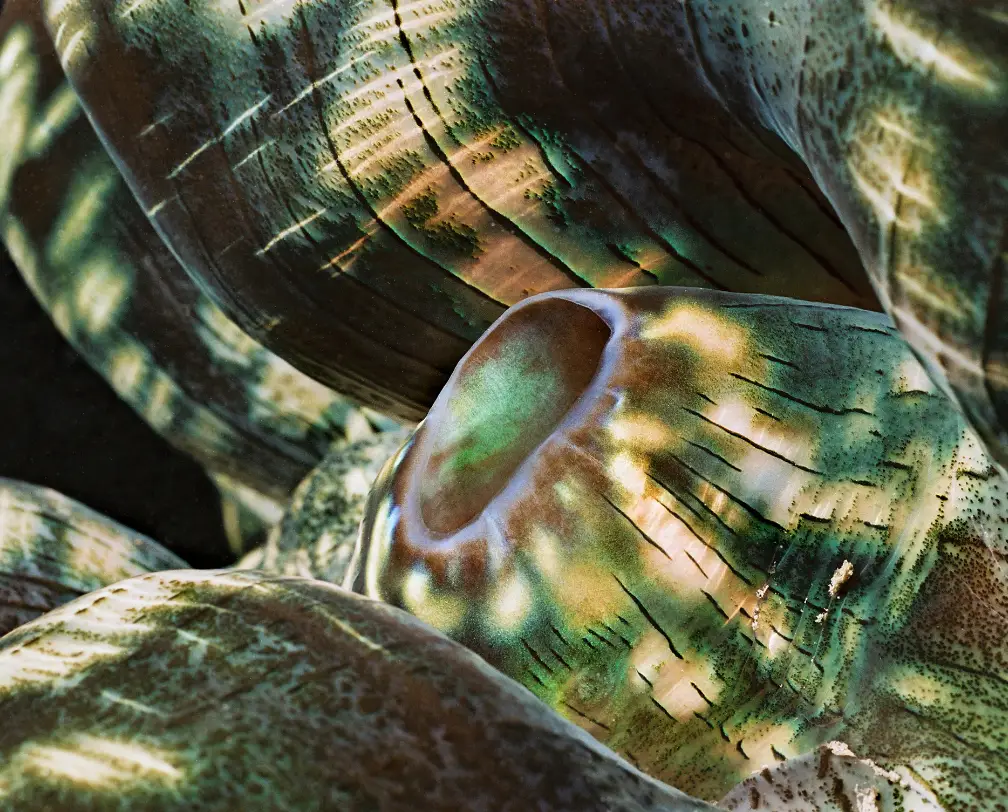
x: 701, y: 308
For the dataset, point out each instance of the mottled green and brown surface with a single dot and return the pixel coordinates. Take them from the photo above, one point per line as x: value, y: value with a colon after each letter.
x: 317, y: 537
x: 187, y: 690
x: 759, y: 529
x: 53, y: 549
x: 832, y: 778
x: 717, y: 531
x: 416, y: 168
x: 114, y: 290
x: 419, y: 165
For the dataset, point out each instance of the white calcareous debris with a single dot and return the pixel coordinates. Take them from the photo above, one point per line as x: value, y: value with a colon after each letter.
x: 840, y: 577
x: 832, y: 778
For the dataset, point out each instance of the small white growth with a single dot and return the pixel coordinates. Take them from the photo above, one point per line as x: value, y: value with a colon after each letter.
x: 840, y: 577
x: 839, y: 748
x: 867, y: 799
x: 760, y: 595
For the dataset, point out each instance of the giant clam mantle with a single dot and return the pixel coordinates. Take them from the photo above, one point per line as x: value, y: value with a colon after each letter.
x: 753, y: 545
